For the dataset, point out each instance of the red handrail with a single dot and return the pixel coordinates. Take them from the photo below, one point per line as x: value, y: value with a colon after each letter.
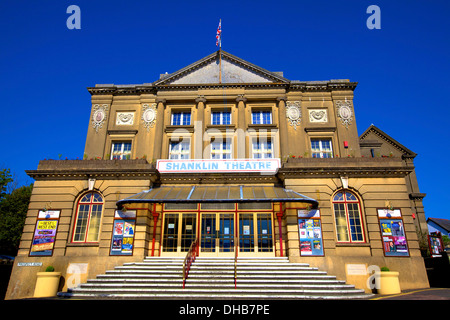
x: 190, y: 258
x: 235, y: 261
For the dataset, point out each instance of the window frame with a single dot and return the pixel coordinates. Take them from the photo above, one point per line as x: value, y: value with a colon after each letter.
x: 183, y: 117
x: 221, y: 115
x: 261, y: 150
x: 221, y: 150
x: 121, y: 155
x: 321, y: 151
x: 260, y: 117
x: 345, y: 202
x: 179, y: 153
x: 91, y: 203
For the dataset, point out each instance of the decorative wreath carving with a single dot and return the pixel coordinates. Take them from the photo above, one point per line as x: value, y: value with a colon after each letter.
x: 294, y: 113
x: 344, y: 112
x: 125, y: 118
x: 149, y: 113
x: 99, y: 116
x: 318, y: 116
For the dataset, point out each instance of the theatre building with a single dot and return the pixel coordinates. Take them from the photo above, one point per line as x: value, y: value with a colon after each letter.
x: 240, y: 159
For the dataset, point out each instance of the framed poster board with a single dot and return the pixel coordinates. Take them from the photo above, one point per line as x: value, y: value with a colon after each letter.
x: 45, y: 233
x: 393, y: 233
x: 310, y: 233
x: 122, y: 241
x: 435, y: 245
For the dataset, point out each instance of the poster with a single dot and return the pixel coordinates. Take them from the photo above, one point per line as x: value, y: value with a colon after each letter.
x: 310, y: 232
x: 435, y: 244
x: 393, y: 237
x: 44, y: 238
x: 122, y: 242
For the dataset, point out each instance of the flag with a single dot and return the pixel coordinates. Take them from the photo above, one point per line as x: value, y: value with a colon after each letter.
x: 219, y: 34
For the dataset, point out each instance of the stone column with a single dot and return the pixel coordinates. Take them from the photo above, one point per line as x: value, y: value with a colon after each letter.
x: 282, y: 126
x: 241, y: 129
x: 199, y: 128
x: 159, y: 129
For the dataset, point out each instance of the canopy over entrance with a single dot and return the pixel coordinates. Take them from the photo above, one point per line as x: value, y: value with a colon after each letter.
x: 202, y: 194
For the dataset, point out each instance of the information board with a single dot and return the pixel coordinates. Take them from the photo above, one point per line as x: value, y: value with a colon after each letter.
x: 122, y: 242
x: 45, y: 233
x: 393, y: 234
x: 310, y: 233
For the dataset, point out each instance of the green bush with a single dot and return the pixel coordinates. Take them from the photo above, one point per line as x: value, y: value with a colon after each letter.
x: 384, y: 269
x: 50, y: 269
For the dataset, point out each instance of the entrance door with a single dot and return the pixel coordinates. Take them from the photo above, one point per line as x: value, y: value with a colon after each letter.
x: 217, y: 234
x: 255, y: 234
x: 179, y: 232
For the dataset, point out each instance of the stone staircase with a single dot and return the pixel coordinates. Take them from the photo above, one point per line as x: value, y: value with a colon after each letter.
x: 213, y: 278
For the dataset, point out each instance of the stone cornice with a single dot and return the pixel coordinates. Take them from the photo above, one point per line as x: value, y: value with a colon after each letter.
x: 99, y: 169
x: 351, y: 167
x: 314, y: 86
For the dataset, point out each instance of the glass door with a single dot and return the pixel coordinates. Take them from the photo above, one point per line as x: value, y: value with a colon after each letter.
x: 179, y: 232
x: 208, y: 233
x: 217, y: 234
x: 255, y: 234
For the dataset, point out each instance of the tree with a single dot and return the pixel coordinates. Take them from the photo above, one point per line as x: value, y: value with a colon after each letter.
x: 5, y: 179
x: 13, y: 212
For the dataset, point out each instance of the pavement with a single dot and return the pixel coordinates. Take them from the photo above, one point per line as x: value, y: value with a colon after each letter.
x: 418, y: 294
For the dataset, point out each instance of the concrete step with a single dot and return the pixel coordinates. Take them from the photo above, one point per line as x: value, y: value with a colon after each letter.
x: 213, y: 278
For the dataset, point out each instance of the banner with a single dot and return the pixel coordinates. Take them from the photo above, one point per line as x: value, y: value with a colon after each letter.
x: 45, y: 234
x: 226, y: 165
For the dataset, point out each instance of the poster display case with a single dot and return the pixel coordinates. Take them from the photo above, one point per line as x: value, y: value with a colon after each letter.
x: 393, y: 233
x: 45, y: 233
x: 122, y: 242
x: 436, y: 245
x: 310, y: 233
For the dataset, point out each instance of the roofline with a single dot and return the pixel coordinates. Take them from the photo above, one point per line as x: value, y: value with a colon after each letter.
x: 372, y: 127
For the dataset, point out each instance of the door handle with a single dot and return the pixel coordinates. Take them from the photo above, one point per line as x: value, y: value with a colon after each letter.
x: 217, y: 234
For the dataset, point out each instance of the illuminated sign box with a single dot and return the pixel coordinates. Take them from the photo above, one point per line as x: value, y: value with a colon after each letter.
x: 226, y: 165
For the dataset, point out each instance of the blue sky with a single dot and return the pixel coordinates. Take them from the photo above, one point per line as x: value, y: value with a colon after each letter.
x: 402, y: 69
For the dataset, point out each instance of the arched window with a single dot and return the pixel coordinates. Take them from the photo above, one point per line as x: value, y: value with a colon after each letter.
x: 88, y: 217
x: 347, y: 212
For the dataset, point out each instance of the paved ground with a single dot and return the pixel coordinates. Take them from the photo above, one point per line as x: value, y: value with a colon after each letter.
x: 420, y: 294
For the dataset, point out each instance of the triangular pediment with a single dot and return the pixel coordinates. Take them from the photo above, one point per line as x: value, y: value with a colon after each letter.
x: 221, y: 67
x: 375, y: 134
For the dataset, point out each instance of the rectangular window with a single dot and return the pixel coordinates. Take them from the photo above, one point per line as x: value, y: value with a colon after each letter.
x: 179, y: 150
x: 221, y: 118
x: 181, y: 119
x: 321, y: 148
x: 221, y: 149
x: 261, y: 117
x: 262, y: 149
x: 121, y: 150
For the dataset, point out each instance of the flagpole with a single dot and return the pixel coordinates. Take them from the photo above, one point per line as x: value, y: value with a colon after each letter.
x: 220, y: 65
x: 220, y: 52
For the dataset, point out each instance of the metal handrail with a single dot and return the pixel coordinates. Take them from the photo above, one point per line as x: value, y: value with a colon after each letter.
x: 235, y: 261
x: 190, y: 257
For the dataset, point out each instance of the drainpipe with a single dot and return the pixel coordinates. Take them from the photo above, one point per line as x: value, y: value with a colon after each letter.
x: 279, y: 216
x: 155, y: 221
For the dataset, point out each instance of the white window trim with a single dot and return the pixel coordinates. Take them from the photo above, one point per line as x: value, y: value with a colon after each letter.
x: 221, y: 122
x: 263, y: 148
x: 221, y: 151
x: 121, y: 152
x: 321, y: 150
x: 179, y: 153
x: 183, y: 114
x: 261, y: 117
